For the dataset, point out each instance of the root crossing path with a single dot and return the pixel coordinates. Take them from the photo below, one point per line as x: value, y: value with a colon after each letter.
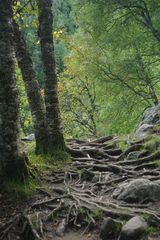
x: 78, y: 197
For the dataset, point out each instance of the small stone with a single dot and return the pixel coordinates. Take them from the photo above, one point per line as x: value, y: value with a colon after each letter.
x: 29, y: 138
x: 110, y: 229
x: 133, y: 155
x: 134, y: 229
x: 95, y: 179
x: 151, y: 119
x: 61, y: 228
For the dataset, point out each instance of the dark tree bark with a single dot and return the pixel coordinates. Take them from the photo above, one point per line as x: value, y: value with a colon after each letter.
x: 32, y: 88
x: 12, y: 162
x: 54, y: 129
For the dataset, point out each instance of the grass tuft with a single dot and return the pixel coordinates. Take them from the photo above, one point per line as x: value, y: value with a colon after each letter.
x: 38, y: 164
x: 21, y: 190
x: 152, y: 143
x: 42, y: 162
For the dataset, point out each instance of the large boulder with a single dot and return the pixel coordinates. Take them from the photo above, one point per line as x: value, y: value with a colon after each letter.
x: 152, y: 116
x: 150, y: 119
x: 134, y: 229
x: 138, y: 191
x: 110, y: 229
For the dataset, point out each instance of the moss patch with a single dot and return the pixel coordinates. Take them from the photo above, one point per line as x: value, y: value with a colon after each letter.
x: 42, y: 162
x: 152, y: 231
x: 21, y: 190
x: 37, y: 165
x: 123, y: 140
x: 152, y: 143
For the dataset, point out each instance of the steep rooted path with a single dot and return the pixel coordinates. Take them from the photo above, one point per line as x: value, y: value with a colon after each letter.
x: 80, y: 195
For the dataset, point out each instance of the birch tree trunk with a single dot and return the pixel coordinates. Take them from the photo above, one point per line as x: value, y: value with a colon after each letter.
x: 54, y: 129
x: 32, y: 88
x: 12, y: 163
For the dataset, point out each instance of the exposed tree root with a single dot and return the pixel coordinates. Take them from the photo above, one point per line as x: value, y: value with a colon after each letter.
x: 29, y: 230
x: 102, y: 139
x: 150, y: 165
x: 79, y: 196
x: 140, y: 161
x: 132, y: 148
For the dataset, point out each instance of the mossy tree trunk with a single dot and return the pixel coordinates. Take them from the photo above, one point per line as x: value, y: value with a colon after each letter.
x: 32, y: 88
x: 54, y: 129
x: 12, y: 163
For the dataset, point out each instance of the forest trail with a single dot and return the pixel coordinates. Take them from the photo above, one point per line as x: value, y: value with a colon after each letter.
x: 79, y: 196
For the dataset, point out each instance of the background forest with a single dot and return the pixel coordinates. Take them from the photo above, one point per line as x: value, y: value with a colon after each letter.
x: 107, y: 55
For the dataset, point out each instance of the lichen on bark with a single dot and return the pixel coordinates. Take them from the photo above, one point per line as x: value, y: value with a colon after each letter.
x: 12, y: 162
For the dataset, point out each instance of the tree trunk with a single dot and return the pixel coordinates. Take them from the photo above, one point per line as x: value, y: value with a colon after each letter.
x: 32, y: 88
x: 12, y: 163
x: 54, y: 129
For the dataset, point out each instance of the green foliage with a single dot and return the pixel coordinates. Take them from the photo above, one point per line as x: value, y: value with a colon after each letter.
x: 38, y: 163
x: 120, y: 56
x: 97, y: 213
x: 122, y: 141
x: 152, y: 143
x: 86, y: 215
x: 113, y: 109
x: 104, y: 47
x: 152, y: 231
x: 42, y: 162
x: 22, y: 190
x: 79, y: 105
x: 25, y: 114
x: 62, y: 15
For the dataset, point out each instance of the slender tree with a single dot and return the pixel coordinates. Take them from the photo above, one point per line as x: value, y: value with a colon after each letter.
x: 145, y: 77
x: 54, y: 129
x: 12, y: 162
x: 32, y: 88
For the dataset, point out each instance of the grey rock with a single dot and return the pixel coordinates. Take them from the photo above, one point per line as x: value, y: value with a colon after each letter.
x: 119, y: 189
x: 134, y: 229
x: 144, y: 130
x: 152, y: 115
x: 29, y: 138
x: 133, y: 155
x: 95, y: 179
x: 61, y: 228
x: 150, y: 119
x: 138, y: 191
x: 110, y: 229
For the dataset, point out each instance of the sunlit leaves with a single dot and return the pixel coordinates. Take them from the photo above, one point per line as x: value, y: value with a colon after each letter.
x: 25, y: 13
x: 104, y: 47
